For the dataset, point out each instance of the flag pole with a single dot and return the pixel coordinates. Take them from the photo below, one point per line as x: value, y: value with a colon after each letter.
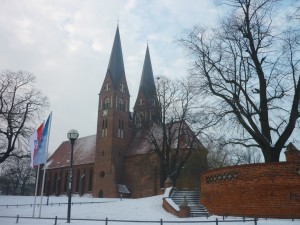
x: 36, y: 187
x: 45, y: 164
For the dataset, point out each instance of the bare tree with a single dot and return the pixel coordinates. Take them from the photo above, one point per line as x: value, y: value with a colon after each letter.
x: 295, y: 13
x: 17, y: 177
x: 171, y: 136
x: 221, y: 154
x: 20, y: 105
x: 251, y: 67
x: 247, y: 156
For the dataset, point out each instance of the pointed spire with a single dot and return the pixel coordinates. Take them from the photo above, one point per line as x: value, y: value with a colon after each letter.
x: 116, y: 64
x: 147, y: 84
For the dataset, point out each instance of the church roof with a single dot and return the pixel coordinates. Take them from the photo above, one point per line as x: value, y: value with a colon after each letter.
x: 116, y: 63
x: 83, y: 153
x: 147, y: 84
x: 141, y: 143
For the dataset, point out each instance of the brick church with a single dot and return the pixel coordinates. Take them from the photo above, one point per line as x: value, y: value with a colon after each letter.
x: 120, y: 159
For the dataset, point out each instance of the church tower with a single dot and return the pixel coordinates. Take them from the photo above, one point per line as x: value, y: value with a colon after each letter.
x: 146, y: 108
x: 114, y: 132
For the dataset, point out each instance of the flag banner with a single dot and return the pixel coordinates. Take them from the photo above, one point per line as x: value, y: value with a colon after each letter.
x: 34, y: 142
x: 40, y: 156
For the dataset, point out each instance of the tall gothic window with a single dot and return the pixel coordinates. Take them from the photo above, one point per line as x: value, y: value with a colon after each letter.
x: 66, y: 181
x: 107, y: 86
x: 139, y: 119
x: 153, y: 102
x: 77, y: 181
x: 121, y: 105
x: 104, y: 127
x: 122, y: 87
x: 121, y: 129
x: 141, y: 101
x: 90, y: 185
x: 54, y: 183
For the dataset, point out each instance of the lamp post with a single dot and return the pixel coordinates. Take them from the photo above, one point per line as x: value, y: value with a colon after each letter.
x: 72, y: 136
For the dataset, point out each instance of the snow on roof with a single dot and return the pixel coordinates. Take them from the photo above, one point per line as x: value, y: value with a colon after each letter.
x: 83, y: 153
x: 123, y: 189
x: 143, y: 140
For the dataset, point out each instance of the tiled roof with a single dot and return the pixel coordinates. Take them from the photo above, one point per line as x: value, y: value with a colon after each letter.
x: 84, y: 153
x: 142, y: 142
x: 140, y: 145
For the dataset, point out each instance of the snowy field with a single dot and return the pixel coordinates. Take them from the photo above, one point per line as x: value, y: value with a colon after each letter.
x: 144, y: 209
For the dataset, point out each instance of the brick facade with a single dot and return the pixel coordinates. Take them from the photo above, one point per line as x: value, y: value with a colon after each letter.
x: 56, y: 181
x: 256, y: 190
x: 142, y: 175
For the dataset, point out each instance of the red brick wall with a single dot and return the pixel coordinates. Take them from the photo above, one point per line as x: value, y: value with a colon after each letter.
x: 255, y: 190
x: 169, y: 208
x: 56, y: 182
x: 142, y: 175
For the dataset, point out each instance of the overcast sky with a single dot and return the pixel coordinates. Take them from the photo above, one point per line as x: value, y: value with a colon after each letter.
x: 66, y: 44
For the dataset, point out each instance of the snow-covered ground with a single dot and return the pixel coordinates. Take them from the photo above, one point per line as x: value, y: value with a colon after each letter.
x: 144, y: 209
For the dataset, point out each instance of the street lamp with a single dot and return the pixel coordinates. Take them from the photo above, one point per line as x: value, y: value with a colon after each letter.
x: 72, y: 136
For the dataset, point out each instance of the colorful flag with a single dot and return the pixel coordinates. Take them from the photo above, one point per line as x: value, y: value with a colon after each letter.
x: 34, y: 142
x: 40, y: 156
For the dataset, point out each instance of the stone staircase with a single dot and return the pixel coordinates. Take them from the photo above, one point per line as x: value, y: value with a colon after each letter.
x: 192, y: 197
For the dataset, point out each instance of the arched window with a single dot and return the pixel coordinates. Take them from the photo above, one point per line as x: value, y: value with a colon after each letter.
x: 66, y: 181
x: 54, y: 183
x: 77, y: 181
x: 90, y: 179
x: 121, y: 129
x: 107, y: 86
x: 121, y: 105
x: 102, y: 174
x: 141, y: 101
x: 153, y: 102
x: 106, y: 104
x: 104, y: 127
x: 122, y: 88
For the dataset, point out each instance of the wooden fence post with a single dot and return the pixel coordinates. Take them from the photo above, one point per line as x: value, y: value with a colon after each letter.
x: 161, y: 221
x: 106, y: 221
x: 217, y: 221
x: 55, y: 221
x: 17, y: 221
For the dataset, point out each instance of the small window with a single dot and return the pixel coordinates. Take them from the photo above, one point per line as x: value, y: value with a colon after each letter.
x: 102, y: 174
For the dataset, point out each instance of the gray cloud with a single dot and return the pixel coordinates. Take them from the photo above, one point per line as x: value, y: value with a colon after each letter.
x: 67, y: 44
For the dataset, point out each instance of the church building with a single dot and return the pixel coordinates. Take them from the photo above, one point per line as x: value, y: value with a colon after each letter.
x: 119, y: 159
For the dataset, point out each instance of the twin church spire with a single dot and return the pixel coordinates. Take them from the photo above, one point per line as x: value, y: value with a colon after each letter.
x: 116, y: 124
x: 147, y: 97
x: 116, y: 63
